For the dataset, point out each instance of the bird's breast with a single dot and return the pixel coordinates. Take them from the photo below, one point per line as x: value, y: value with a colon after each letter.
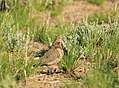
x: 61, y: 53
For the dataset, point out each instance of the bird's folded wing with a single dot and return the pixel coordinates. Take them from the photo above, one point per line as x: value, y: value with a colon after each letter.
x: 48, y: 57
x: 51, y: 56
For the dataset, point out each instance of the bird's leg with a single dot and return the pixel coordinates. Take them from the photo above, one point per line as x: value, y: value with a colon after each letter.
x: 55, y: 68
x: 52, y: 69
x: 49, y: 72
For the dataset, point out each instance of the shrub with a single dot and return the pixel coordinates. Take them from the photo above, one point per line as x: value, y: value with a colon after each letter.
x: 100, y: 46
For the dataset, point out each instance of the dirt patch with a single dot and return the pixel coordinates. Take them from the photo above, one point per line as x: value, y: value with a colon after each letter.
x: 78, y: 11
x: 59, y: 79
x: 45, y: 81
x: 81, y: 10
x: 75, y: 12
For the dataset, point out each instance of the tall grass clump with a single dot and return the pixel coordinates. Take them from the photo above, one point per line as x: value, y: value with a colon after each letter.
x: 105, y: 17
x: 15, y: 63
x: 71, y: 48
x: 100, y: 45
x: 46, y: 34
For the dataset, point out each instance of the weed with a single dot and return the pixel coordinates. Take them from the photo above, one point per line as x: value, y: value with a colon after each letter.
x: 14, y: 59
x: 54, y: 6
x: 102, y: 79
x: 100, y: 46
x: 8, y: 82
x: 98, y: 2
x: 103, y: 17
x: 41, y: 35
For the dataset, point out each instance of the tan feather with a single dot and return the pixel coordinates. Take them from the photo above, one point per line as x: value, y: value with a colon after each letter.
x: 54, y: 54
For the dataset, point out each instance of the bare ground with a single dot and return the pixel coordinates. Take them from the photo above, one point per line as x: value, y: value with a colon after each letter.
x: 75, y: 12
x: 58, y: 79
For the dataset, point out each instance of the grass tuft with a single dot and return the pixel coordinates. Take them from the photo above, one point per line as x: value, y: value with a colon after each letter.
x: 98, y: 2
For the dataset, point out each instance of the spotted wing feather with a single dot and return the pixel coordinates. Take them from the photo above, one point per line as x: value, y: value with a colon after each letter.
x: 51, y: 56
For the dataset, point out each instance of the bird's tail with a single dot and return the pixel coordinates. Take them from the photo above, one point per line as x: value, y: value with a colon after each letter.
x: 38, y: 62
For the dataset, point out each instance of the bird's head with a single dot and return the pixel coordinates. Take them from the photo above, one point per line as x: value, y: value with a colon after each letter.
x: 58, y: 41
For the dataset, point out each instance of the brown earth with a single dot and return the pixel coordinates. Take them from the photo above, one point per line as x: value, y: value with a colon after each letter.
x: 75, y: 12
x: 58, y: 79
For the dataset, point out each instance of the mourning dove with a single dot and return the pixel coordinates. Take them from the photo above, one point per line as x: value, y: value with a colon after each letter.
x: 53, y: 55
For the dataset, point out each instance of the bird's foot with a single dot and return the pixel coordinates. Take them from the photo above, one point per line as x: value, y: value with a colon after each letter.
x: 55, y: 68
x: 52, y: 70
x: 49, y: 71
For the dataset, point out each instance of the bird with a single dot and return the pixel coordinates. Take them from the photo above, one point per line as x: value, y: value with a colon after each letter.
x: 53, y: 56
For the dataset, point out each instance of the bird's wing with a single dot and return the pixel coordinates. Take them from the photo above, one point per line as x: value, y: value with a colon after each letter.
x: 51, y: 56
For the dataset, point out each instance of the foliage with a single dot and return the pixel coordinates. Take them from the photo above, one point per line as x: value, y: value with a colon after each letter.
x: 100, y: 46
x: 98, y: 2
x: 8, y: 82
x: 104, y: 17
x: 102, y: 79
x: 14, y: 59
x: 54, y: 6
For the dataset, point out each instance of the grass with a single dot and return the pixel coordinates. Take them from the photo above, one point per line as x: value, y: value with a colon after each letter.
x: 101, y: 79
x: 98, y: 2
x: 8, y: 82
x: 14, y: 57
x: 55, y: 7
x: 103, y: 17
x: 100, y: 45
